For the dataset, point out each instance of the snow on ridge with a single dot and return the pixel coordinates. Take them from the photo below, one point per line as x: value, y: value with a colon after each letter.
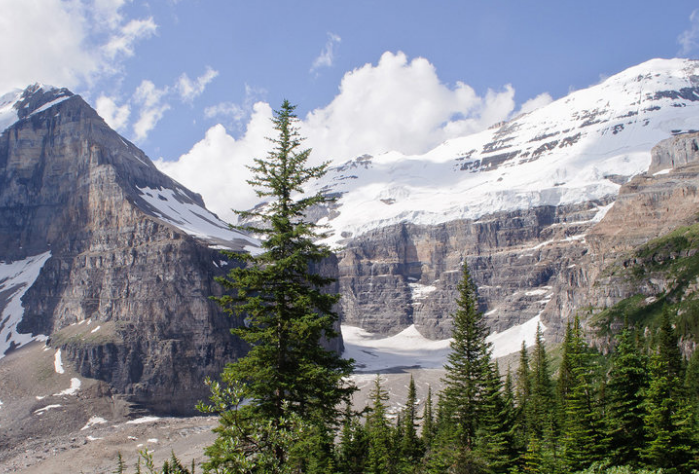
x: 94, y: 420
x: 179, y: 211
x: 563, y: 153
x: 75, y: 385
x: 48, y: 105
x: 8, y: 114
x: 510, y: 340
x: 15, y: 279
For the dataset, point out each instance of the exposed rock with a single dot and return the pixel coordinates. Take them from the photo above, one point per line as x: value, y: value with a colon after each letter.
x: 71, y: 186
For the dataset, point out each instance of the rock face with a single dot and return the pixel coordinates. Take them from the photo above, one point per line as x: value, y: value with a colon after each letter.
x: 547, y: 262
x: 537, y: 207
x: 128, y: 257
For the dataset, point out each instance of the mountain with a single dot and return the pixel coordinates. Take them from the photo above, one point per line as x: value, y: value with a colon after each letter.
x: 106, y: 260
x: 529, y: 204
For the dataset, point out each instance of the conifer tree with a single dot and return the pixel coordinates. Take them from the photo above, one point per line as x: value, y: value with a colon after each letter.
x: 411, y: 448
x: 353, y: 444
x: 468, y: 364
x: 669, y: 422
x: 428, y: 424
x: 542, y: 401
x: 628, y: 381
x: 582, y: 428
x: 287, y: 371
x: 522, y: 397
x: 381, y: 454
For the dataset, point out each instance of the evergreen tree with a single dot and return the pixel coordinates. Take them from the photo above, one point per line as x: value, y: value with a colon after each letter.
x: 542, y: 401
x: 411, y: 447
x: 381, y: 454
x: 353, y: 444
x: 468, y: 365
x: 496, y: 439
x: 428, y: 424
x: 669, y: 421
x: 628, y: 381
x: 583, y: 430
x: 287, y: 371
x: 522, y: 397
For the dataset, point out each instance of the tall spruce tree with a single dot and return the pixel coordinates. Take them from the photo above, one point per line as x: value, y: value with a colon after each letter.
x: 381, y: 456
x: 468, y: 364
x: 626, y: 387
x: 287, y: 373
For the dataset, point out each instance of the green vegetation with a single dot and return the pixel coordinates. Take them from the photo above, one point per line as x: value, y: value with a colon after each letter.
x: 673, y: 261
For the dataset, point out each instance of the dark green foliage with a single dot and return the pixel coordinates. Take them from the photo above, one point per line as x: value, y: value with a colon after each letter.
x: 354, y: 444
x: 468, y: 365
x: 428, y: 423
x: 626, y: 387
x: 287, y: 376
x: 410, y: 445
x: 381, y: 457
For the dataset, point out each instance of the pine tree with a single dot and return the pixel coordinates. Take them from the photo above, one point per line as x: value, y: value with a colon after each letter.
x: 428, y: 424
x: 523, y: 398
x: 582, y: 428
x: 542, y: 402
x: 669, y: 421
x: 353, y: 444
x: 468, y: 364
x: 628, y: 381
x: 381, y: 454
x: 411, y: 447
x: 287, y: 371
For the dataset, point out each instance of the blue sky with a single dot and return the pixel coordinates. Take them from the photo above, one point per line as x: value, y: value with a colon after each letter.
x: 192, y: 81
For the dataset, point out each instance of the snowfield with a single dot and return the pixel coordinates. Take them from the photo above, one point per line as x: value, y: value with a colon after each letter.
x: 576, y: 149
x: 410, y: 349
x: 15, y: 279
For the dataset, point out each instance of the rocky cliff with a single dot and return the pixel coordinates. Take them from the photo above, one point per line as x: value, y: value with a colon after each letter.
x: 109, y: 258
x: 537, y: 207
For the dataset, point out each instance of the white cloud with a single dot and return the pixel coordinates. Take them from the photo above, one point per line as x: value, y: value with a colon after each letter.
x: 116, y: 116
x: 395, y: 105
x: 234, y: 115
x: 689, y: 39
x: 537, y: 102
x: 400, y: 105
x: 191, y: 89
x: 123, y: 41
x: 152, y: 108
x: 87, y: 38
x: 327, y: 54
x: 216, y: 166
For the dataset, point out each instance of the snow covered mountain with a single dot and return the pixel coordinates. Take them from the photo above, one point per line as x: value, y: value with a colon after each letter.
x: 579, y: 148
x: 518, y: 202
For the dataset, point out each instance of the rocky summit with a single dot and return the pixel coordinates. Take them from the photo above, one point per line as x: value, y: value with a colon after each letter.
x: 105, y: 260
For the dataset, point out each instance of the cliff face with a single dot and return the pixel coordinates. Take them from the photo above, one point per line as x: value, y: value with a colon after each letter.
x: 547, y: 262
x: 127, y: 257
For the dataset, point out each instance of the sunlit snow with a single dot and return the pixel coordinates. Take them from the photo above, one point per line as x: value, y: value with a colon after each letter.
x: 410, y: 349
x: 144, y: 419
x: 58, y: 362
x: 193, y: 219
x: 75, y: 385
x: 567, y: 152
x: 8, y: 114
x: 95, y: 420
x: 41, y: 411
x: 15, y: 279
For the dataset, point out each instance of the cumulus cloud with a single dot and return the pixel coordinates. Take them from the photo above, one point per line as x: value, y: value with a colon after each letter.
x: 88, y: 40
x: 537, y: 102
x: 216, y: 166
x: 689, y: 39
x: 394, y: 105
x: 234, y: 115
x: 400, y: 105
x: 152, y: 107
x: 190, y: 89
x: 327, y: 54
x: 116, y: 116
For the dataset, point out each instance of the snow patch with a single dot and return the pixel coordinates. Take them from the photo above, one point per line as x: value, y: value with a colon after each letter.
x: 95, y: 330
x: 408, y: 348
x: 48, y: 105
x: 58, y: 362
x: 75, y: 384
x: 178, y: 210
x: 510, y: 340
x: 41, y: 411
x: 8, y: 114
x: 15, y: 279
x: 661, y: 172
x: 95, y: 420
x: 145, y: 419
